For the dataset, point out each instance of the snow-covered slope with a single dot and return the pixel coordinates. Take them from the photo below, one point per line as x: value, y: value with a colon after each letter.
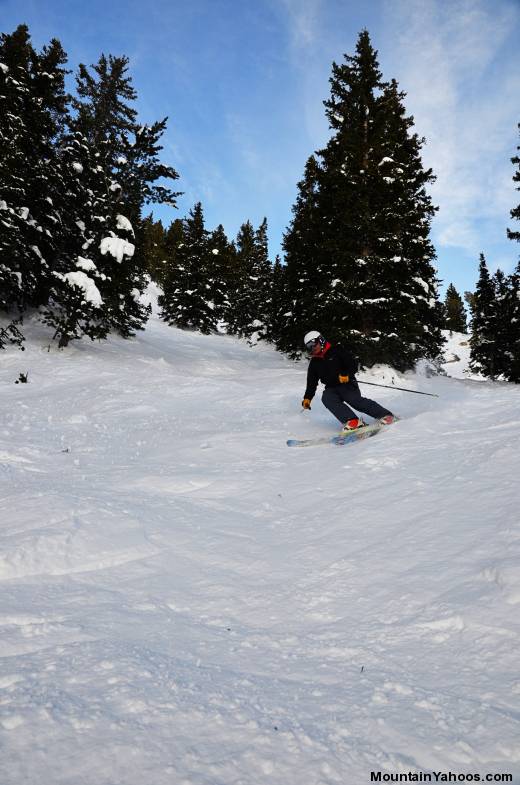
x: 456, y: 354
x: 186, y: 601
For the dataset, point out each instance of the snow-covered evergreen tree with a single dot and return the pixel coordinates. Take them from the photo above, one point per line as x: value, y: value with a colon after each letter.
x: 45, y: 169
x: 105, y: 114
x: 153, y: 246
x: 512, y: 362
x: 33, y: 112
x: 10, y: 334
x: 510, y: 328
x: 164, y: 272
x: 485, y: 354
x: 301, y: 305
x: 239, y: 314
x: 222, y: 257
x: 275, y: 319
x: 13, y: 251
x: 455, y: 320
x: 369, y: 263
x: 70, y: 189
x: 130, y: 169
x: 261, y: 292
x: 514, y: 234
x: 506, y: 324
x: 74, y: 305
x: 187, y: 293
x: 253, y: 280
x: 401, y: 296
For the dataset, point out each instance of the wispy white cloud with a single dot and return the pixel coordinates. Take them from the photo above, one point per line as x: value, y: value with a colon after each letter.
x: 458, y: 64
x: 303, y: 20
x: 311, y: 48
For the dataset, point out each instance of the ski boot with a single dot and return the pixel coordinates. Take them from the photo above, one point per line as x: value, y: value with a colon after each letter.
x: 353, y: 425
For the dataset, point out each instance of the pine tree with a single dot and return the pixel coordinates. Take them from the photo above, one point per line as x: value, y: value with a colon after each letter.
x: 455, y: 311
x: 131, y: 158
x: 239, y: 313
x: 130, y: 168
x: 187, y: 295
x: 13, y: 81
x: 66, y: 207
x: 469, y: 299
x: 222, y: 255
x: 277, y: 302
x: 253, y: 280
x: 33, y: 113
x: 103, y: 106
x: 511, y: 328
x: 515, y: 212
x: 512, y: 363
x: 369, y: 252
x: 485, y: 354
x: 505, y: 306
x: 70, y: 189
x: 10, y: 334
x: 153, y: 246
x: 139, y: 171
x: 74, y: 306
x: 300, y: 308
x: 405, y: 304
x: 167, y: 274
x: 96, y: 283
x: 261, y: 292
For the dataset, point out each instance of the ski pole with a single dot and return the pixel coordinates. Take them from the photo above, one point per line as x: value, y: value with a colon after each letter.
x: 403, y: 389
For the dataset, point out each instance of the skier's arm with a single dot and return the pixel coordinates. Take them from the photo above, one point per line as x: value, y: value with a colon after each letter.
x: 312, y: 382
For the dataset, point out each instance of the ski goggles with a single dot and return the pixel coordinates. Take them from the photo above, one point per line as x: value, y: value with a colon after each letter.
x: 311, y: 344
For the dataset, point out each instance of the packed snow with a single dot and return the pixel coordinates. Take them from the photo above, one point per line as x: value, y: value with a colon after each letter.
x: 188, y: 601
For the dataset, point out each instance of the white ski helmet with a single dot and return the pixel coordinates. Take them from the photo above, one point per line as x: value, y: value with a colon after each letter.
x: 312, y: 338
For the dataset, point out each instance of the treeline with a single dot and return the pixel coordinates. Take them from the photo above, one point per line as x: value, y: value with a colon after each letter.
x: 210, y: 283
x: 358, y: 258
x: 495, y: 326
x: 494, y: 323
x: 494, y: 309
x: 79, y: 247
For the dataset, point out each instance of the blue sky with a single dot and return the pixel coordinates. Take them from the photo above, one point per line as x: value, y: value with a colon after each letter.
x: 242, y: 82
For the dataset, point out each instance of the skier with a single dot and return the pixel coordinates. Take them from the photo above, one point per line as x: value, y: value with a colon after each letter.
x: 336, y: 368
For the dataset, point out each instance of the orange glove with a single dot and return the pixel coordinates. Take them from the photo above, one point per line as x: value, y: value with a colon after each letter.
x: 306, y: 403
x: 343, y: 379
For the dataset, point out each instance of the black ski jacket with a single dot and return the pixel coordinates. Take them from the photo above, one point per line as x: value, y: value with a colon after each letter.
x: 337, y: 362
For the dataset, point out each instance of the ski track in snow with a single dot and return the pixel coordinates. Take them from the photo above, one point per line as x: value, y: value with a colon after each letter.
x: 186, y: 601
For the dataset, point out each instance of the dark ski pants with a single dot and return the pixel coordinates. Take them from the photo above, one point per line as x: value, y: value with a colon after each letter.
x: 337, y: 398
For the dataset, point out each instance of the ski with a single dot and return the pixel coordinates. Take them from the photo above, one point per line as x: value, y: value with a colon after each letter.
x: 342, y: 438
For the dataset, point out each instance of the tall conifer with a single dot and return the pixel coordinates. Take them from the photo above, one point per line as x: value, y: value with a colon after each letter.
x: 484, y: 356
x: 222, y: 257
x: 514, y: 234
x: 277, y: 301
x: 512, y: 371
x: 33, y: 112
x: 187, y: 292
x: 455, y: 311
x: 370, y: 261
x: 249, y: 311
x: 301, y: 305
x: 130, y: 169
